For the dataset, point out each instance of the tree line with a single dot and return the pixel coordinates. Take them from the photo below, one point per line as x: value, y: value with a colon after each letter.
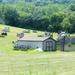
x: 52, y: 17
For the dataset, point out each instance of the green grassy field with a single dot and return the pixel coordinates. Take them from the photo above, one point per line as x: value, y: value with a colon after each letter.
x: 30, y: 62
x: 33, y: 63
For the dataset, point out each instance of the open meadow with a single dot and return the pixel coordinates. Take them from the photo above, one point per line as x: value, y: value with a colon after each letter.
x: 29, y: 62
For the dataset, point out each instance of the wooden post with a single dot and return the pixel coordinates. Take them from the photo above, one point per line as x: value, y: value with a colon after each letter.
x: 63, y: 43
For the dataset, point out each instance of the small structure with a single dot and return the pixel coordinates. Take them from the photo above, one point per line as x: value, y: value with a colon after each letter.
x: 44, y: 43
x: 34, y: 31
x: 6, y: 29
x: 20, y: 35
x: 26, y: 31
x: 48, y: 34
x: 40, y: 35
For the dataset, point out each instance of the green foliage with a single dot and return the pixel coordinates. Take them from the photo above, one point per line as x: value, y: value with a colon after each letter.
x: 72, y: 21
x: 66, y: 25
x: 42, y: 23
x: 11, y: 16
x: 50, y: 28
x: 25, y: 19
x: 72, y: 7
x: 44, y: 15
x: 56, y: 19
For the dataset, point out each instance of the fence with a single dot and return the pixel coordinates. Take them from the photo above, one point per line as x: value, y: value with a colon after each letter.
x: 66, y: 44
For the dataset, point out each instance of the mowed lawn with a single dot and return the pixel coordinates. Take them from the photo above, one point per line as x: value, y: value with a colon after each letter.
x: 32, y: 63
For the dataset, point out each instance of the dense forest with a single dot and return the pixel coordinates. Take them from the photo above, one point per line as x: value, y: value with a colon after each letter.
x: 45, y: 15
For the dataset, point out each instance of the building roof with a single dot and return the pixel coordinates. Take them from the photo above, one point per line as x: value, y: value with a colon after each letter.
x: 34, y: 39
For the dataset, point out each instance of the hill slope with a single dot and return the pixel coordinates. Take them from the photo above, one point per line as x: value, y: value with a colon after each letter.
x: 6, y: 42
x: 32, y: 63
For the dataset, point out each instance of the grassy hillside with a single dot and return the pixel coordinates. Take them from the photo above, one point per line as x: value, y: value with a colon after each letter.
x: 32, y: 63
x: 12, y: 36
x: 6, y: 42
